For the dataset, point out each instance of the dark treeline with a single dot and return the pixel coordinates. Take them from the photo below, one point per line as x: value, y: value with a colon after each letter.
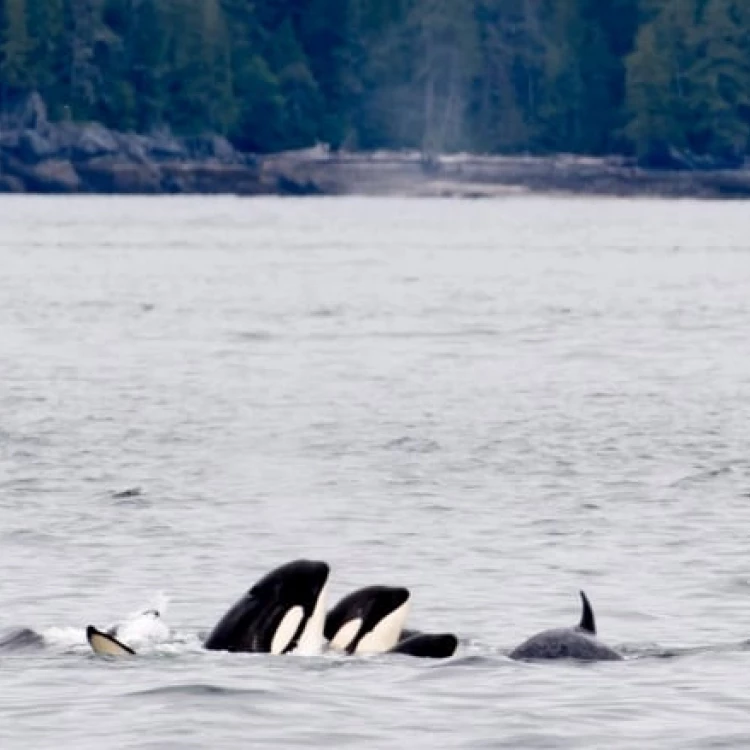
x: 541, y: 76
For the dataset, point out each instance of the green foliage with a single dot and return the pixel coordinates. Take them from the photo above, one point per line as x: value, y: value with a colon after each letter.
x: 587, y: 76
x: 689, y: 80
x: 15, y: 51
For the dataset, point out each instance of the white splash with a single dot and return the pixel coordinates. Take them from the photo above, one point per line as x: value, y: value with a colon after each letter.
x: 145, y: 627
x: 64, y: 637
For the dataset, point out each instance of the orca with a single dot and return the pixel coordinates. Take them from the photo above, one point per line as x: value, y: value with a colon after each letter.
x: 138, y: 629
x: 104, y: 644
x: 408, y: 633
x: 427, y: 645
x: 368, y: 621
x: 282, y: 613
x: 21, y: 638
x: 578, y: 643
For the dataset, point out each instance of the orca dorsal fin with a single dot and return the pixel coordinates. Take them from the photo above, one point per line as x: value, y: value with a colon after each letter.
x: 587, y: 624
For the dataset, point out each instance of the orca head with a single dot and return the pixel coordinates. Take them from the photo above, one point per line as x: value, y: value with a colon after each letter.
x: 299, y: 589
x: 587, y: 623
x: 282, y: 612
x: 296, y: 583
x: 369, y: 620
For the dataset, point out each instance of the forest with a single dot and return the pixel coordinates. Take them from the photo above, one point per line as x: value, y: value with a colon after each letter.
x: 634, y: 77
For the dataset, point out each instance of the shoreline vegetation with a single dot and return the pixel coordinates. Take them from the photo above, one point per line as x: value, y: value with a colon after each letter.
x: 39, y: 156
x: 399, y: 97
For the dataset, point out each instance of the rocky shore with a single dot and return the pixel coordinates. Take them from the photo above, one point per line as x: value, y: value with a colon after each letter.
x: 37, y: 156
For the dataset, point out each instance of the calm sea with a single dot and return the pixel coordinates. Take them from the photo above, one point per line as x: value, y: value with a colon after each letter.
x: 495, y: 403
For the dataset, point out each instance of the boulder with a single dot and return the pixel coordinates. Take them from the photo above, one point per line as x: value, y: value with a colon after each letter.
x: 11, y: 184
x: 52, y: 176
x: 133, y: 147
x: 163, y: 146
x: 9, y: 140
x: 94, y: 140
x: 202, y: 147
x: 211, y: 178
x: 114, y: 176
x: 34, y: 147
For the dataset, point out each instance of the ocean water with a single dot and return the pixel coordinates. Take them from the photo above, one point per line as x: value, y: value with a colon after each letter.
x: 495, y: 403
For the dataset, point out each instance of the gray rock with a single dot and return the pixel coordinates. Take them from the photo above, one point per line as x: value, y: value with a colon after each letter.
x: 9, y: 140
x: 80, y: 142
x: 34, y: 147
x: 92, y: 141
x: 216, y: 147
x: 52, y: 176
x: 11, y: 184
x: 132, y: 147
x: 115, y: 176
x: 163, y: 146
x: 209, y: 178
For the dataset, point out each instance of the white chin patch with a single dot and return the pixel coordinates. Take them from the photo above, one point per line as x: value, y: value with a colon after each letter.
x: 103, y: 645
x: 384, y: 636
x: 311, y: 640
x: 286, y: 630
x: 346, y: 634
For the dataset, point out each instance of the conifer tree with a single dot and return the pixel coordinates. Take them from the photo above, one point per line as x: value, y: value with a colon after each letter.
x: 15, y: 47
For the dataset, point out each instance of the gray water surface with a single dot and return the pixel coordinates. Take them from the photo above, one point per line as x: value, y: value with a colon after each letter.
x: 494, y: 403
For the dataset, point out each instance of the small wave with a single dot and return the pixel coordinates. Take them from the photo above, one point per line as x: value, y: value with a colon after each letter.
x: 255, y: 336
x: 128, y: 493
x: 132, y: 497
x: 64, y: 637
x: 325, y: 312
x: 97, y: 304
x: 470, y: 660
x: 458, y: 333
x: 193, y: 689
x: 739, y: 583
x: 703, y: 475
x: 31, y: 536
x: 410, y: 444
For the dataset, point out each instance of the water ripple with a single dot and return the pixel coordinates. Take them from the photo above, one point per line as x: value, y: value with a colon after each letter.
x: 494, y: 403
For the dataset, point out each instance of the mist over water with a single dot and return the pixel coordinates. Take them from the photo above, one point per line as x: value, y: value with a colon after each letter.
x: 493, y: 403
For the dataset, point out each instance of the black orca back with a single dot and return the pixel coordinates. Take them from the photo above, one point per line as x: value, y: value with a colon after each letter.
x: 21, y: 638
x: 428, y: 645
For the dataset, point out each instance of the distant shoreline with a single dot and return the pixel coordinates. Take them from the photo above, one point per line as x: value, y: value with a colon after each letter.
x: 67, y: 158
